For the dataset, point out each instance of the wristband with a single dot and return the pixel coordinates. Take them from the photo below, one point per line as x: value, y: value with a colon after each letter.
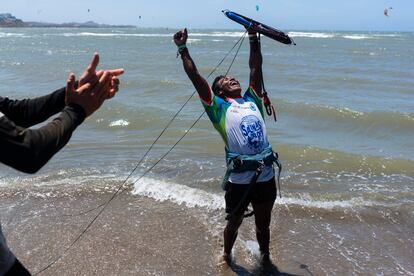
x: 180, y: 49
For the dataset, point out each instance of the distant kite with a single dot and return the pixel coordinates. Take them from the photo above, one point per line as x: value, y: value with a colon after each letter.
x: 89, y: 10
x: 386, y: 10
x: 257, y: 7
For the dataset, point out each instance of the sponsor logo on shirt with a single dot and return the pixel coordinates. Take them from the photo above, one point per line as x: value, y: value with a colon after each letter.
x: 252, y: 107
x: 252, y: 131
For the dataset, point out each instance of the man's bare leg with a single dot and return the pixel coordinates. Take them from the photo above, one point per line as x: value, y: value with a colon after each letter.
x: 230, y: 235
x: 262, y: 217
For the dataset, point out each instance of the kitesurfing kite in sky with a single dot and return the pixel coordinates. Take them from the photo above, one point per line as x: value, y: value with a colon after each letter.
x: 386, y: 11
x: 259, y: 27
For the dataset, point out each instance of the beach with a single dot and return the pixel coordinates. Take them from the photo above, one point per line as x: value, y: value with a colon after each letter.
x: 344, y: 103
x: 142, y: 236
x: 135, y: 236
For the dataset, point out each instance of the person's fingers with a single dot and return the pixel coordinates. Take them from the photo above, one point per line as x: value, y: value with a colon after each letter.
x: 93, y: 80
x: 103, y: 93
x: 177, y: 35
x: 70, y: 83
x: 103, y: 81
x: 84, y: 88
x: 116, y: 72
x: 185, y: 32
x: 89, y: 72
x: 94, y: 63
x: 70, y: 87
x: 114, y: 81
x: 113, y: 88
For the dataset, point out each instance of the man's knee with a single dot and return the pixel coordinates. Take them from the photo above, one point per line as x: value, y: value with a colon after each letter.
x: 234, y: 223
x: 262, y: 229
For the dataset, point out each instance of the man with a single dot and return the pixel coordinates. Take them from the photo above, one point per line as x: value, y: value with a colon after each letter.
x: 239, y: 120
x: 27, y: 150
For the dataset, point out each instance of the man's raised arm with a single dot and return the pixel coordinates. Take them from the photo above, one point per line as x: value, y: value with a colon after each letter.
x: 200, y: 84
x: 255, y: 63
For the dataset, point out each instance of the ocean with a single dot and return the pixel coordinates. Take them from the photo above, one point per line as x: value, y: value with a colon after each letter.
x: 345, y: 136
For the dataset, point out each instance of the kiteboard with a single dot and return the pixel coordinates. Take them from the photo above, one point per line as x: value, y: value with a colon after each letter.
x: 259, y: 27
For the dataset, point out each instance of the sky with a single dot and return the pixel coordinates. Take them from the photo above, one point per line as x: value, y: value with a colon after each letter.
x: 363, y: 15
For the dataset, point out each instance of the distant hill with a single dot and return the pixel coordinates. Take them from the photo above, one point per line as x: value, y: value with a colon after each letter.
x: 8, y: 20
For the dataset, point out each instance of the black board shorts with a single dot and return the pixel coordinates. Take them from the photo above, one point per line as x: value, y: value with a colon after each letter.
x: 261, y: 193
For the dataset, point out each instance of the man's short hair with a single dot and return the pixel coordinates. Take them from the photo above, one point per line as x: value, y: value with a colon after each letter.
x: 215, y: 87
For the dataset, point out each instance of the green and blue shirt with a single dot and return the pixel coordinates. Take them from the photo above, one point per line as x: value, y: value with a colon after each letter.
x: 241, y: 125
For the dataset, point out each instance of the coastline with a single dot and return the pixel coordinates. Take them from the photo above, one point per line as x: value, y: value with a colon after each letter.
x: 137, y: 235
x: 133, y: 236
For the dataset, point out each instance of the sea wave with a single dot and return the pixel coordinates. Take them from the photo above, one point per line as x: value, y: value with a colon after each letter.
x: 219, y: 34
x: 2, y: 34
x: 192, y: 197
x: 311, y: 34
x: 357, y: 37
x: 400, y: 120
x: 166, y: 190
x: 119, y: 123
x: 86, y: 34
x: 178, y: 193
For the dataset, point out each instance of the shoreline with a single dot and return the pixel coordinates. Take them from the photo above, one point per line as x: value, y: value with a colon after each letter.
x: 133, y: 236
x: 137, y: 235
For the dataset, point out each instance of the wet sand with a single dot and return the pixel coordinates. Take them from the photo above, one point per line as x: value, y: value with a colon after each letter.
x: 133, y: 236
x: 137, y: 235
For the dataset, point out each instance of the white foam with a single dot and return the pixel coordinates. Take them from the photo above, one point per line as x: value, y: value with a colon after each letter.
x: 2, y: 34
x: 192, y: 197
x: 357, y: 37
x: 311, y: 34
x: 252, y: 247
x: 219, y: 34
x: 191, y: 40
x: 386, y: 35
x: 163, y: 190
x: 354, y: 202
x: 120, y: 123
x: 111, y: 34
x: 177, y: 193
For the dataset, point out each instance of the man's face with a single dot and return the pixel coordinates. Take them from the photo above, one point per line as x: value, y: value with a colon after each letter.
x: 230, y: 87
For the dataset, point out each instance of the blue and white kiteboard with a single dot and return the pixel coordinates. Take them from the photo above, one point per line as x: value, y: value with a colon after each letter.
x: 261, y: 28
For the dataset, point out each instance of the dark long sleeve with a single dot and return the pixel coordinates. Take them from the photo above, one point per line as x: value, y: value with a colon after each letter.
x: 28, y: 150
x: 29, y: 112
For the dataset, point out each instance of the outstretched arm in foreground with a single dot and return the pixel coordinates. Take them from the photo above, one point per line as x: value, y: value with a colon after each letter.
x: 200, y: 84
x: 28, y: 150
x: 29, y: 112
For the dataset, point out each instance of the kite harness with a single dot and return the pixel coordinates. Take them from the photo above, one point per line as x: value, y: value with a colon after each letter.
x: 240, y: 163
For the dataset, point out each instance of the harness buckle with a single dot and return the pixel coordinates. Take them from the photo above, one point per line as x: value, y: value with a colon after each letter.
x: 261, y: 166
x: 237, y: 162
